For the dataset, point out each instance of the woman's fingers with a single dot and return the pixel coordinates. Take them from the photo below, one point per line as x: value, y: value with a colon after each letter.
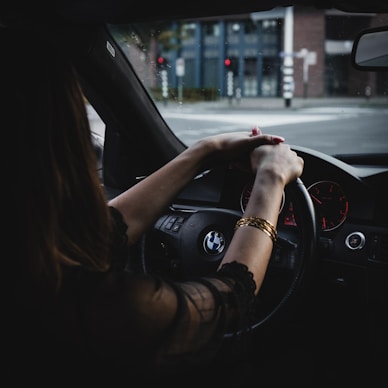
x: 281, y: 160
x: 268, y: 139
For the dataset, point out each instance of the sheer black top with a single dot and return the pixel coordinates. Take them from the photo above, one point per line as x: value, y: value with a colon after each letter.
x: 135, y: 322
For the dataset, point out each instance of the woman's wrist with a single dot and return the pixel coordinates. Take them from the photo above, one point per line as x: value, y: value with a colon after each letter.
x: 272, y: 177
x: 266, y: 197
x: 203, y: 150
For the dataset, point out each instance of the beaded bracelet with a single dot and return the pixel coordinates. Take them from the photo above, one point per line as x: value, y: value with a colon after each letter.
x: 259, y: 223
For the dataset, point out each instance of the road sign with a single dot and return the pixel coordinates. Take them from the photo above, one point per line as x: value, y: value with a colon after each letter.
x: 180, y: 67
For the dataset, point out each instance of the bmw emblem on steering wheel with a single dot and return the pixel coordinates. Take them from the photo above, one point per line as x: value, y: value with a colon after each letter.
x: 214, y: 242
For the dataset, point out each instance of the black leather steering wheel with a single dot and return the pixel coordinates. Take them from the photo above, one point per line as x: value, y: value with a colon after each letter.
x: 185, y: 243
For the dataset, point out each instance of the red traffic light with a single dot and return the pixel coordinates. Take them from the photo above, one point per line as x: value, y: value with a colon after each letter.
x: 227, y: 62
x: 160, y: 60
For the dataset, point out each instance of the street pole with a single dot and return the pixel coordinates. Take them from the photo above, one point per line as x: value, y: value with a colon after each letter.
x: 303, y: 53
x: 180, y: 72
x: 288, y: 62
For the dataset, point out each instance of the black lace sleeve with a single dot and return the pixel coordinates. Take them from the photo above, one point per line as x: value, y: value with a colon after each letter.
x: 210, y: 309
x: 241, y: 281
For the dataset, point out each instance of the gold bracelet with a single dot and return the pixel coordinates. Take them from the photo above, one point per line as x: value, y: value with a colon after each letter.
x: 259, y: 223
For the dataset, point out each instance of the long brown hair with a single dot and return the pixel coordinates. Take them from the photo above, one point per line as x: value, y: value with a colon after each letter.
x: 63, y: 215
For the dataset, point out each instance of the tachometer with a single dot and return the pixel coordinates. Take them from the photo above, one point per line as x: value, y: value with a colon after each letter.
x: 330, y: 202
x: 246, y: 193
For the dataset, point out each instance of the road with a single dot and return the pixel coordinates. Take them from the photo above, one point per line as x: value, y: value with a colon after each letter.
x: 329, y: 126
x: 331, y: 130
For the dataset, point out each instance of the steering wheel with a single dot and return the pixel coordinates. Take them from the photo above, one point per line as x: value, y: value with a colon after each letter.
x: 191, y: 241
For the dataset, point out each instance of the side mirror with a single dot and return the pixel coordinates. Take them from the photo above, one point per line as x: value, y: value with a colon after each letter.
x: 370, y: 50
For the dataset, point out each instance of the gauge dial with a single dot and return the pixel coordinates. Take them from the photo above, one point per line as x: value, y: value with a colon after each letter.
x: 246, y: 193
x: 330, y: 202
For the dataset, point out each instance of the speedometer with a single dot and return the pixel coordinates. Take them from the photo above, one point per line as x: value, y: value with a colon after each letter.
x: 330, y: 202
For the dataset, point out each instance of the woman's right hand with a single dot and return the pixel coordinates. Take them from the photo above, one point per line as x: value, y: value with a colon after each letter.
x: 277, y: 161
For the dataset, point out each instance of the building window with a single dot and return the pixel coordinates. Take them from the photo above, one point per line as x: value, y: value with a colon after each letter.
x: 211, y: 29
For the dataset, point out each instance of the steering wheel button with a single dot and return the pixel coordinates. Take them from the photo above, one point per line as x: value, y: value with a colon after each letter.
x: 176, y: 227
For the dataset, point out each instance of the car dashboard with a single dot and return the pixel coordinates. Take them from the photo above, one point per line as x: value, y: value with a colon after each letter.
x: 349, y: 202
x: 348, y: 292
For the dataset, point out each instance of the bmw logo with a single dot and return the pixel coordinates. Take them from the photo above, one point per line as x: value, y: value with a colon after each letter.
x: 214, y: 243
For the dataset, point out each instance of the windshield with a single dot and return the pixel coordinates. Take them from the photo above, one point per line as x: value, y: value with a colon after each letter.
x: 287, y: 71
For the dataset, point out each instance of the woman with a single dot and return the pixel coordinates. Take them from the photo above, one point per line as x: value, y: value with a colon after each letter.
x: 81, y: 319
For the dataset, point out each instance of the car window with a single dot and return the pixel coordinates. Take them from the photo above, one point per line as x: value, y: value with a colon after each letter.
x: 287, y: 71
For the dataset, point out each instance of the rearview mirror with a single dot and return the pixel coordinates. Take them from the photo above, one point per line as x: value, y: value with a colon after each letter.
x: 370, y: 49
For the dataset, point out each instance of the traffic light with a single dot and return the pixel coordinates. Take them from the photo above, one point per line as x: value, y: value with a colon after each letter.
x: 161, y: 62
x: 231, y: 64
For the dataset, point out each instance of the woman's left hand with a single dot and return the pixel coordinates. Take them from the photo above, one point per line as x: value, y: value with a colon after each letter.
x: 239, y: 144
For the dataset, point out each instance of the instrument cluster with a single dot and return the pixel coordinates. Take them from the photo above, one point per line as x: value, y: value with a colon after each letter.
x: 330, y: 202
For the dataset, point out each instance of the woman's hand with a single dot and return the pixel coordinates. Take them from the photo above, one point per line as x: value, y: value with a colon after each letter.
x: 277, y: 161
x: 236, y: 145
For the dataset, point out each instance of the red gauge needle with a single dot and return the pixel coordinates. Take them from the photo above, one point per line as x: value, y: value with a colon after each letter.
x: 316, y: 199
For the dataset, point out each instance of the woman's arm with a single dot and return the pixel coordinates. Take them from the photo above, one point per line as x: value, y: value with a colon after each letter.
x: 142, y: 204
x: 275, y: 167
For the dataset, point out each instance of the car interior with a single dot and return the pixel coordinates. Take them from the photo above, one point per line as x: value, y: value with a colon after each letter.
x: 326, y: 289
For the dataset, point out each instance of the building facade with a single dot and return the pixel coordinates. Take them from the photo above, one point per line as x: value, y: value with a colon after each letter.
x: 253, y: 55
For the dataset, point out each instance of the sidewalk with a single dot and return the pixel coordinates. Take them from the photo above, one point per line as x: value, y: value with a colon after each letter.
x: 278, y: 103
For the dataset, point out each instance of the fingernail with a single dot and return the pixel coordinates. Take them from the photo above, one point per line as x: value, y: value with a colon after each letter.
x: 255, y: 131
x: 278, y: 139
